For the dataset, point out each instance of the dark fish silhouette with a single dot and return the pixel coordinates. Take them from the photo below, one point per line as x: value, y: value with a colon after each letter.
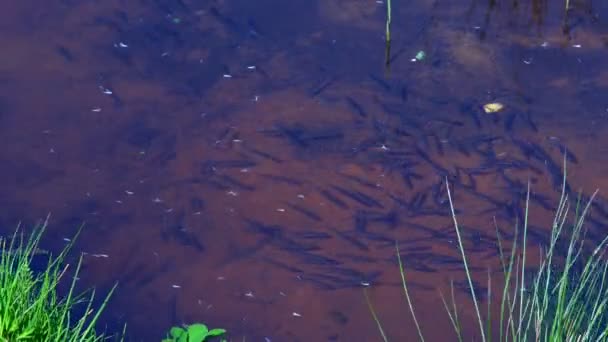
x: 350, y: 239
x: 282, y: 179
x: 266, y: 156
x: 357, y: 108
x: 380, y: 82
x: 333, y: 199
x: 324, y: 84
x: 359, y: 197
x: 234, y: 183
x: 313, y: 235
x: 306, y: 212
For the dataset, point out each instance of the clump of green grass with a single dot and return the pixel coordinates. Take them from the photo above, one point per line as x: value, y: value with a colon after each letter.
x: 30, y: 306
x: 565, y: 300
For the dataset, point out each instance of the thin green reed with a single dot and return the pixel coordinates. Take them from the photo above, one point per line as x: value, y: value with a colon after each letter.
x: 388, y: 21
x: 387, y: 47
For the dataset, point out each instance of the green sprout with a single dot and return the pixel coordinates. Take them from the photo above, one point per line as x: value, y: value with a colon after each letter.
x: 193, y: 333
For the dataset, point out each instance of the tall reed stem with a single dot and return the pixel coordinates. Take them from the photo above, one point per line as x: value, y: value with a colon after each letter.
x: 388, y: 21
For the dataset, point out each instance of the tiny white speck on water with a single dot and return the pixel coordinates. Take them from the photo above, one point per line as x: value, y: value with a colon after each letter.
x: 100, y: 255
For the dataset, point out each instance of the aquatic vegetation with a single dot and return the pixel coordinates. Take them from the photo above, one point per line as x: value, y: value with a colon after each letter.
x: 564, y: 300
x: 388, y: 21
x: 387, y: 49
x: 193, y: 333
x: 30, y: 306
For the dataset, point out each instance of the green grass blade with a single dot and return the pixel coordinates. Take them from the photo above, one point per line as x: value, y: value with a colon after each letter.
x: 407, y: 295
x: 464, y: 261
x: 375, y: 317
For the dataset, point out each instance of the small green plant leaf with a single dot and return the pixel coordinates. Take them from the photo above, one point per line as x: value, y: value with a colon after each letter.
x: 216, y: 332
x: 177, y: 332
x: 197, y: 332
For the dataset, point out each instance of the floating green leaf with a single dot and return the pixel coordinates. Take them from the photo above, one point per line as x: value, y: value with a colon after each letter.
x: 420, y: 55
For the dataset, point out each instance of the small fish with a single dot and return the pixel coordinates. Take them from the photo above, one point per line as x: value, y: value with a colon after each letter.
x: 306, y: 212
x: 65, y: 53
x: 360, y: 222
x: 282, y: 179
x: 314, y: 235
x: 360, y: 181
x: 509, y: 122
x: 404, y: 93
x: 469, y: 109
x: 351, y: 239
x: 359, y: 197
x: 266, y: 156
x: 440, y: 169
x: 317, y: 259
x: 317, y: 90
x: 225, y: 179
x: 333, y: 199
x: 530, y: 122
x: 382, y: 83
x: 356, y: 107
x: 282, y: 265
x: 226, y: 21
x: 564, y: 151
x: 254, y: 31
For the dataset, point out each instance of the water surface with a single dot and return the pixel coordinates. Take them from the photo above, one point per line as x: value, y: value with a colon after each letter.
x: 251, y: 165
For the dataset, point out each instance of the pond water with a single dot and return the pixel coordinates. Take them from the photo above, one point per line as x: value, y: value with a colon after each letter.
x: 251, y: 164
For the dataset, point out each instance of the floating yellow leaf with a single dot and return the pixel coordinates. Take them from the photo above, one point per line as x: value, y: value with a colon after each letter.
x: 493, y: 107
